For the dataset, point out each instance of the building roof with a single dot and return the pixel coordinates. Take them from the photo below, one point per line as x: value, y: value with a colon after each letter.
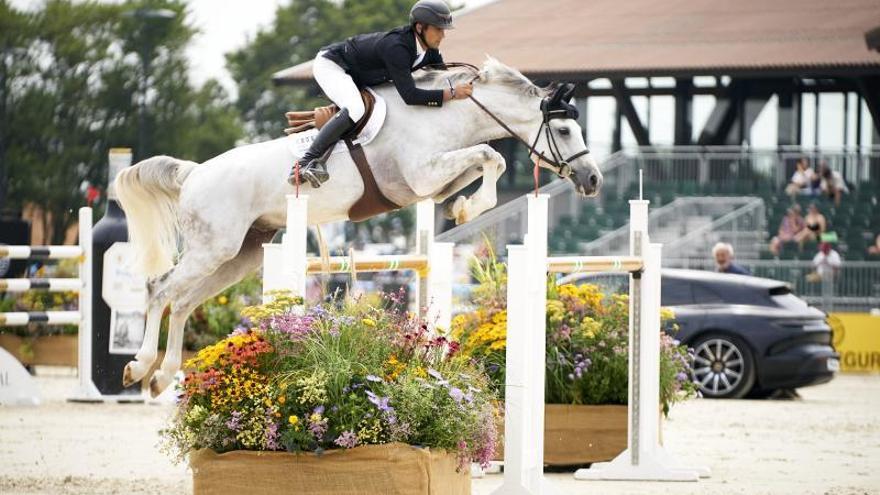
x: 580, y: 39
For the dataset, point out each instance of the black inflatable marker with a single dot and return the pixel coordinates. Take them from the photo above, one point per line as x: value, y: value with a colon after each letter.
x: 118, y: 297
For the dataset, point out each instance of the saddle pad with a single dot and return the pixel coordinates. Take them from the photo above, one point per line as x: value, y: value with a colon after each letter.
x: 298, y: 143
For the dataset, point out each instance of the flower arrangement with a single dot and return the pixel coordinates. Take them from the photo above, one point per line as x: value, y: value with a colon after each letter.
x: 333, y: 378
x: 587, y: 341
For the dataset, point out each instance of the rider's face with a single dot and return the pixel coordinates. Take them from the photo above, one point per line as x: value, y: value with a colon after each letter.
x: 433, y: 35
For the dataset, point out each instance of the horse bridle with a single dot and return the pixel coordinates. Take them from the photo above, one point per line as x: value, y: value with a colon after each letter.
x: 552, y: 107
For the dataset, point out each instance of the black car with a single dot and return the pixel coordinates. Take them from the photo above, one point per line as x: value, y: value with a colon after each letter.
x: 750, y: 335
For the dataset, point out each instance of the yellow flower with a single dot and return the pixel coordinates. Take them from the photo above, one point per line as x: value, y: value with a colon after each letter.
x: 294, y: 420
x: 222, y: 300
x: 368, y: 322
x: 282, y: 399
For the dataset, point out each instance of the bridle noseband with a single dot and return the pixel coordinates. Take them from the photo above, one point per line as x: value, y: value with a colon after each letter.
x: 555, y: 106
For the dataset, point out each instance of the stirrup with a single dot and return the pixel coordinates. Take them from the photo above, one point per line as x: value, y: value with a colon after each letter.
x: 315, y: 177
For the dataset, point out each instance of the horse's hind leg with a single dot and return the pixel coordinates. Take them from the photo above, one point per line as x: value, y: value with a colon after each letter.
x: 190, y: 296
x: 146, y: 355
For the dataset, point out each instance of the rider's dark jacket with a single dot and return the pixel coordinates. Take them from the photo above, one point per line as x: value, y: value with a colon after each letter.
x: 375, y: 58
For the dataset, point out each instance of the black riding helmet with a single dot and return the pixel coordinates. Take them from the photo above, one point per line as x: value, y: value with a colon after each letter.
x: 433, y: 12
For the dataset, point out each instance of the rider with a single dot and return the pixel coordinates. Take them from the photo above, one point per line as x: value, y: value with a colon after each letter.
x: 342, y: 69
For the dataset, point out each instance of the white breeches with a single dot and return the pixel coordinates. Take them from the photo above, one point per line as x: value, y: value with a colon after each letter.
x: 338, y: 86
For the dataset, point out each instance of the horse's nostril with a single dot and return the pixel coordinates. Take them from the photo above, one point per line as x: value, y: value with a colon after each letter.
x: 594, y: 180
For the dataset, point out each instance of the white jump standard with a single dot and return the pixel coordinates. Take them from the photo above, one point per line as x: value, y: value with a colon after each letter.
x: 528, y: 265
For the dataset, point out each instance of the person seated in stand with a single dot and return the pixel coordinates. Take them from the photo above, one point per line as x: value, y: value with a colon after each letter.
x: 723, y: 254
x: 814, y: 226
x: 874, y: 249
x: 343, y: 69
x: 802, y: 180
x: 789, y: 228
x: 832, y: 184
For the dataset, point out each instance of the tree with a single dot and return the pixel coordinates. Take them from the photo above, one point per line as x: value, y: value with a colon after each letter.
x: 71, y: 80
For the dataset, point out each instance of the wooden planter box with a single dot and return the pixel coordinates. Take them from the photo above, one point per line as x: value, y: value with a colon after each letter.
x: 369, y: 470
x: 575, y: 435
x: 51, y: 350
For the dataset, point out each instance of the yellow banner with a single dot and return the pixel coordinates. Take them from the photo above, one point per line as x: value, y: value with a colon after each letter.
x: 857, y: 339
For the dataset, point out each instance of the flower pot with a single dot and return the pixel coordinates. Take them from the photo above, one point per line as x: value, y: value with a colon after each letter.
x: 50, y: 350
x: 369, y: 470
x: 575, y: 435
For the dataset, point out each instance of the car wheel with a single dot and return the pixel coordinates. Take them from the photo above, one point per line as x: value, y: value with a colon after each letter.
x: 723, y: 366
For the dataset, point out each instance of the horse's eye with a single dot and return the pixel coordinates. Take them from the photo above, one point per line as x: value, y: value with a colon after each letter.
x: 564, y: 131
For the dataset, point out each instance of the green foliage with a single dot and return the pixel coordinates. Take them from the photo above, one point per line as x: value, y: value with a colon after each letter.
x: 71, y: 77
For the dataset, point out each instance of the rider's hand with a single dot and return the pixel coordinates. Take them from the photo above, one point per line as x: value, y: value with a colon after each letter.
x: 462, y: 91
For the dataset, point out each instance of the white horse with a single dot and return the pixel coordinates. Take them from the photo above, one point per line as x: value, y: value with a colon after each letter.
x: 223, y: 210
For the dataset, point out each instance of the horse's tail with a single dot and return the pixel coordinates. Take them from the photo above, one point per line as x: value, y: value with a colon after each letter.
x: 148, y: 192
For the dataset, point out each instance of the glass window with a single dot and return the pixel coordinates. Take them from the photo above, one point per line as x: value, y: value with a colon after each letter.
x: 675, y: 292
x: 704, y: 294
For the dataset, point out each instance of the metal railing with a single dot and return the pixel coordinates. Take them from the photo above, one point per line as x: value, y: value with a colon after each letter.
x: 690, y: 226
x: 709, y: 169
x: 855, y: 287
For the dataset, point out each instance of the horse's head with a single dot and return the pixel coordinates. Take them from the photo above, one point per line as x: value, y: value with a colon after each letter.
x: 562, y: 145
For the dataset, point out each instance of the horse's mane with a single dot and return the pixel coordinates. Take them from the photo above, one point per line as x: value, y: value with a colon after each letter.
x: 493, y: 71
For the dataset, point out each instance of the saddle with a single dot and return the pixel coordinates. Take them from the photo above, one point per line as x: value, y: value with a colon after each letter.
x: 372, y: 202
x: 315, y: 119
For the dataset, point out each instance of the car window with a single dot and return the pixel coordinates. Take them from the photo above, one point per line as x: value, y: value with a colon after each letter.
x: 675, y: 292
x: 705, y: 294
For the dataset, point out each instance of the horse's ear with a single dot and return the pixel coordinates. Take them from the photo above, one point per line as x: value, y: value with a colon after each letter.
x: 567, y: 91
x: 556, y: 97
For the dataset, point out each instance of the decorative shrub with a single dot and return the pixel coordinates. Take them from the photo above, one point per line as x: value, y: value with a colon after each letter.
x: 333, y: 378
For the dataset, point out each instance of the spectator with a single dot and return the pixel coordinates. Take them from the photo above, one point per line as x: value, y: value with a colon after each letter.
x: 803, y: 181
x: 826, y: 263
x: 874, y: 249
x: 790, y: 226
x: 814, y: 226
x: 832, y: 184
x: 723, y: 253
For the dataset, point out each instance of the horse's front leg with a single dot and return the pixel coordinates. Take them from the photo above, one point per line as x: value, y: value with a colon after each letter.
x: 461, y: 167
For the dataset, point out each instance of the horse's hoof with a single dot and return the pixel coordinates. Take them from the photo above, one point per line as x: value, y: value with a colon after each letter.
x: 128, y: 378
x: 459, y: 210
x: 155, y: 387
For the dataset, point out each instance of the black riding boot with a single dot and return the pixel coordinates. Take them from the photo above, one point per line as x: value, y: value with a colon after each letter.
x: 311, y: 165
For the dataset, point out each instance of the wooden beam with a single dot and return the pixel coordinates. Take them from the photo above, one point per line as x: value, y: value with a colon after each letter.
x: 624, y: 103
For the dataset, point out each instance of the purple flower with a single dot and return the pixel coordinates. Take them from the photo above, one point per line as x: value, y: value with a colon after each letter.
x: 374, y: 378
x: 436, y: 374
x: 681, y: 376
x: 456, y: 394
x: 295, y: 326
x: 318, y: 410
x: 348, y: 440
x: 379, y: 402
x: 235, y: 422
x: 272, y: 436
